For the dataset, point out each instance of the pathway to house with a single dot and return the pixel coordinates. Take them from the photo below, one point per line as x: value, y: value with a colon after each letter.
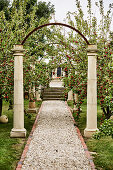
x: 56, y: 82
x: 55, y: 144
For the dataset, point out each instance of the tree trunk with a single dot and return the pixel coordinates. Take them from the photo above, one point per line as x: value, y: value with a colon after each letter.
x: 10, y: 104
x: 0, y: 105
x: 107, y: 112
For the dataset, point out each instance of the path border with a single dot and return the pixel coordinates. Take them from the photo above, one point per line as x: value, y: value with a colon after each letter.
x: 23, y: 156
x: 88, y: 155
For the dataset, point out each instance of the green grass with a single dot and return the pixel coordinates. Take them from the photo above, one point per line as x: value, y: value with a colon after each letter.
x: 11, y: 148
x: 103, y: 148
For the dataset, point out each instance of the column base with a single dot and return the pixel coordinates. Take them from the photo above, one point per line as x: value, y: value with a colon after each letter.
x: 18, y: 133
x: 89, y: 132
x: 39, y: 99
x: 32, y: 110
x: 68, y: 100
x: 75, y: 109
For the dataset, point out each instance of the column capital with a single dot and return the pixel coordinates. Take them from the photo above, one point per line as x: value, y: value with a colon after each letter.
x: 92, y: 48
x: 18, y: 50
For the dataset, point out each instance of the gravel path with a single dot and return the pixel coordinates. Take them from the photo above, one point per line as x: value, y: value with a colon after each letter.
x: 55, y: 144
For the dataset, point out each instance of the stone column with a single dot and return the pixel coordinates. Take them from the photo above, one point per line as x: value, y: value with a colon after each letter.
x: 32, y: 104
x: 18, y: 120
x: 63, y: 74
x: 76, y: 100
x: 38, y: 93
x: 70, y: 95
x: 91, y: 92
x: 55, y: 72
x: 38, y: 96
x: 33, y: 88
x: 54, y: 75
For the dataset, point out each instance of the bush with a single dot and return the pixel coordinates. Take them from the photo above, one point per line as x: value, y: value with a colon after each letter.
x: 106, y: 129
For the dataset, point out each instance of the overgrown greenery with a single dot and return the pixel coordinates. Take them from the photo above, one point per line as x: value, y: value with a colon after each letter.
x: 11, y: 148
x: 106, y: 129
x: 97, y: 33
x: 24, y: 16
x: 101, y: 150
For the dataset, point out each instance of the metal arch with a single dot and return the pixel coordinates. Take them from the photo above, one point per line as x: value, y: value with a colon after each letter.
x: 65, y: 25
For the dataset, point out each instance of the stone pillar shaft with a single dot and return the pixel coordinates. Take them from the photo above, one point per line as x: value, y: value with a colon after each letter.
x: 91, y: 92
x: 18, y: 120
x: 76, y: 100
x: 18, y: 92
x: 70, y: 95
x: 55, y: 73
x: 38, y: 94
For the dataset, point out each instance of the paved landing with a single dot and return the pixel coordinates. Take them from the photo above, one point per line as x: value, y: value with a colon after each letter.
x: 56, y: 83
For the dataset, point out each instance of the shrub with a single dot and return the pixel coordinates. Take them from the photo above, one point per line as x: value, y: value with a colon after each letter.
x: 106, y: 129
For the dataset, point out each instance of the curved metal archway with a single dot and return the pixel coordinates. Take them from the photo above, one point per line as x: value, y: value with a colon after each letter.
x: 65, y: 25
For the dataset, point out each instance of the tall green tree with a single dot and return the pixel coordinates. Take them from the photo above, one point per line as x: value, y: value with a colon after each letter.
x: 5, y: 6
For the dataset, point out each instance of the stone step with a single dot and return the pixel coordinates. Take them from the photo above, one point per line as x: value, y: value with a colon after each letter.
x: 54, y: 90
x: 52, y: 96
x: 44, y: 99
x: 54, y: 93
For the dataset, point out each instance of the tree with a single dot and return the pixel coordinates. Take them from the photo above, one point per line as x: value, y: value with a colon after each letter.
x: 13, y: 31
x: 44, y: 10
x: 97, y: 34
x: 5, y: 6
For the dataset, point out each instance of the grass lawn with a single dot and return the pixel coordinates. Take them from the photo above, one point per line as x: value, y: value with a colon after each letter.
x: 11, y: 148
x: 103, y: 148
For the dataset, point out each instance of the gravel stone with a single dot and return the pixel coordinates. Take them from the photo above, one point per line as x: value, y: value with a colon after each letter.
x: 55, y: 144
